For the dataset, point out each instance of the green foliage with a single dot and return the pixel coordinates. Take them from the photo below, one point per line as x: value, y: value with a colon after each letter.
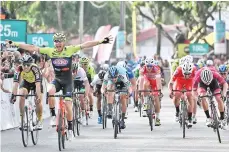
x: 42, y: 15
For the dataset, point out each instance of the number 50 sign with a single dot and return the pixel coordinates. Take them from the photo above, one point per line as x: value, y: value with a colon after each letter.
x: 40, y: 39
x: 14, y: 30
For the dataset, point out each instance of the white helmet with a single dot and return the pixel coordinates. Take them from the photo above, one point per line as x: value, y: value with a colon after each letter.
x: 189, y: 58
x: 149, y: 61
x: 105, y: 67
x: 209, y: 63
x: 181, y: 61
x: 122, y: 64
x: 206, y: 76
x: 187, y: 68
x: 26, y: 59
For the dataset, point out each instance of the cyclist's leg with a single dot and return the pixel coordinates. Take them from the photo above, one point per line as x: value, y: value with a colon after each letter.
x: 146, y: 86
x: 23, y: 90
x: 99, y: 98
x: 190, y: 100
x: 39, y: 107
x: 177, y: 97
x: 89, y: 95
x: 214, y: 87
x: 154, y: 86
x: 110, y: 98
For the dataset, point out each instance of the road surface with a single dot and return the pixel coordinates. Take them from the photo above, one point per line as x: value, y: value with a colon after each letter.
x: 137, y: 136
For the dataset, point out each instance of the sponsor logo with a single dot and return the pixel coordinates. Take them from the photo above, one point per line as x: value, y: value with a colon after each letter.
x: 60, y: 62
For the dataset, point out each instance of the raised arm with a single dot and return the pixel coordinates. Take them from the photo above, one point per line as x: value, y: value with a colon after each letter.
x: 27, y: 47
x: 90, y: 44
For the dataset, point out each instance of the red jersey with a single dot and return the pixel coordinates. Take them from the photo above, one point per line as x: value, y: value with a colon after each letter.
x: 151, y: 75
x: 178, y: 75
x: 216, y: 76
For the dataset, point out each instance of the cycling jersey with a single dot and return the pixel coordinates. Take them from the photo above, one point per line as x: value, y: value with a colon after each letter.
x: 136, y: 73
x: 90, y: 72
x: 216, y: 76
x: 122, y: 77
x: 80, y: 75
x: 151, y: 75
x: 212, y: 68
x: 181, y: 81
x: 34, y: 75
x: 96, y: 81
x: 61, y: 61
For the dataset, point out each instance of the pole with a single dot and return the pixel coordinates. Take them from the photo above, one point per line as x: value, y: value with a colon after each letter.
x: 81, y: 21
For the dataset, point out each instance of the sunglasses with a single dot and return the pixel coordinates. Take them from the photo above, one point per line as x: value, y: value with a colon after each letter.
x: 149, y: 65
x: 58, y: 41
x: 85, y: 64
x: 27, y: 64
x: 224, y: 73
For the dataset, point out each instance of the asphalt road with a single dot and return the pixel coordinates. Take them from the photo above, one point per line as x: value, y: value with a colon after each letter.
x: 137, y: 137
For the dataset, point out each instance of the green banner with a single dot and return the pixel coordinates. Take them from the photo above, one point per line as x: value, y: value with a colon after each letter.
x: 197, y: 49
x: 40, y: 39
x: 14, y: 30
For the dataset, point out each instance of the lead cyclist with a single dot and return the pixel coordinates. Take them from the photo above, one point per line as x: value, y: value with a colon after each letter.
x: 61, y: 56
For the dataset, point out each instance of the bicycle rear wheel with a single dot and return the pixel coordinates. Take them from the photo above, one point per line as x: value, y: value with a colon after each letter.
x: 215, y: 122
x: 35, y: 132
x: 140, y: 107
x: 25, y: 127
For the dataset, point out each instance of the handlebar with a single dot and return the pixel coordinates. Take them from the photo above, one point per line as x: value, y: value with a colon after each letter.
x: 209, y: 96
x: 29, y: 95
x: 149, y: 91
x: 182, y: 91
x: 117, y: 91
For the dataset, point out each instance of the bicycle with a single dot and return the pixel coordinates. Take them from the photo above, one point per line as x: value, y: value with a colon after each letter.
x: 104, y: 110
x: 28, y: 121
x: 140, y: 97
x: 76, y: 113
x: 117, y: 117
x: 151, y: 110
x: 227, y: 108
x: 214, y: 114
x: 183, y: 115
x: 61, y: 123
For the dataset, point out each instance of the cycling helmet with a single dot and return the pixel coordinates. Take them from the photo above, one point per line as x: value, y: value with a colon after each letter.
x: 59, y: 36
x: 113, y: 72
x: 122, y: 64
x: 75, y: 66
x: 209, y: 63
x: 26, y: 59
x: 101, y: 74
x: 187, y: 68
x: 84, y: 60
x: 189, y: 58
x: 206, y: 76
x: 181, y: 61
x: 222, y: 68
x: 76, y: 55
x: 105, y: 67
x: 149, y: 61
x: 156, y: 62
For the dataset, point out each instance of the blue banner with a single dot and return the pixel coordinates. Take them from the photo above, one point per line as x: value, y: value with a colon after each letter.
x: 40, y: 39
x: 220, y: 30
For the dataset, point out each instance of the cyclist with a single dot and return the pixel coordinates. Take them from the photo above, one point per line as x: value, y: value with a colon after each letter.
x: 116, y: 77
x: 223, y: 70
x: 207, y: 78
x: 183, y: 79
x: 29, y: 77
x: 90, y: 71
x: 79, y: 81
x: 97, y: 85
x: 210, y: 65
x: 137, y: 75
x: 151, y: 80
x: 130, y: 74
x: 61, y: 56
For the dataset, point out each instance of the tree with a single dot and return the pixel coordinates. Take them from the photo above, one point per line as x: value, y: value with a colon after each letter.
x: 64, y: 16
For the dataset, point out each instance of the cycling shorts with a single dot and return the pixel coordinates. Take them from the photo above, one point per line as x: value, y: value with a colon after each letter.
x: 65, y: 86
x: 185, y: 84
x: 153, y: 85
x: 30, y: 86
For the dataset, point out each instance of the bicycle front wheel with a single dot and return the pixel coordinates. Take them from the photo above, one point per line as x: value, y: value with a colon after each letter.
x: 215, y: 122
x: 227, y: 105
x: 25, y: 127
x: 104, y: 117
x: 150, y: 115
x: 60, y: 129
x: 116, y: 121
x: 184, y: 112
x: 35, y: 132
